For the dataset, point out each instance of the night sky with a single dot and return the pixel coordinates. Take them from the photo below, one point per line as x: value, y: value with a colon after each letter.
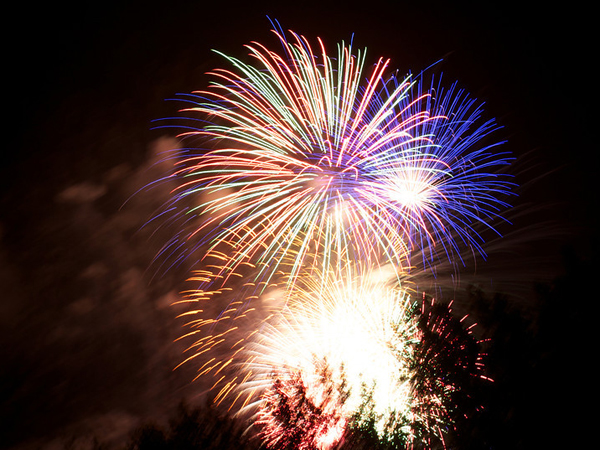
x: 86, y: 332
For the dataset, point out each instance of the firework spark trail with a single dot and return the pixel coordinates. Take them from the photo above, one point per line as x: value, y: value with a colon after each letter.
x: 304, y: 146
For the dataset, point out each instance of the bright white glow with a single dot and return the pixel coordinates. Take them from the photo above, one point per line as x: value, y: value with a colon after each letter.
x: 359, y: 326
x: 410, y: 193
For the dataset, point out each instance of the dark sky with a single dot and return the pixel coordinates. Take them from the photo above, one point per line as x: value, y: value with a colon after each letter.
x: 85, y: 335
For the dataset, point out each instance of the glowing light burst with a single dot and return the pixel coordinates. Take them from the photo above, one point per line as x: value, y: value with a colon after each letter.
x: 352, y: 302
x: 350, y: 349
x: 303, y: 144
x: 349, y: 322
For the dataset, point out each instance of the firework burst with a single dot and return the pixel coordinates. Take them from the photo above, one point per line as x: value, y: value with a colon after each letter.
x: 278, y: 323
x: 305, y: 144
x: 318, y: 183
x: 352, y: 354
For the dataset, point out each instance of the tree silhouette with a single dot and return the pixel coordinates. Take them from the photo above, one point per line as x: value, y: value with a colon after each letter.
x: 193, y: 429
x: 296, y: 417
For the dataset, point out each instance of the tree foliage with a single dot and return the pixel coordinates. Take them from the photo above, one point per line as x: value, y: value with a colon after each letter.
x: 194, y: 429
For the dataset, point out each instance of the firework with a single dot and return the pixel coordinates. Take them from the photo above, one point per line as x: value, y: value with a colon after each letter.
x: 356, y: 356
x: 343, y: 353
x: 237, y: 333
x: 348, y: 318
x: 353, y: 160
x: 318, y: 184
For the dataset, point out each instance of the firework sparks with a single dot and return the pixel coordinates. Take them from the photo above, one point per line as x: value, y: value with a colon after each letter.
x: 338, y: 300
x: 354, y: 353
x: 303, y: 145
x: 350, y: 321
